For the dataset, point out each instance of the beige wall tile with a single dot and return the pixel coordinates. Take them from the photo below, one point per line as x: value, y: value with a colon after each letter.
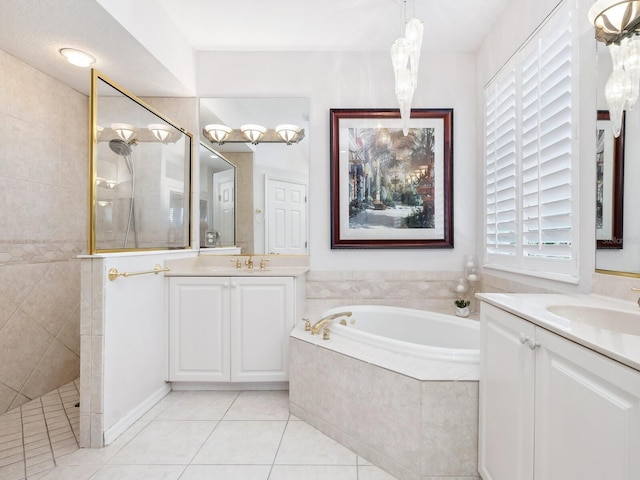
x: 58, y: 358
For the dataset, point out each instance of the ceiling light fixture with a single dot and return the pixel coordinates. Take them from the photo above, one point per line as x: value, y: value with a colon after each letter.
x: 617, y: 25
x: 77, y: 57
x: 160, y: 131
x: 124, y: 130
x: 288, y: 132
x: 253, y: 132
x: 219, y: 133
x: 405, y: 57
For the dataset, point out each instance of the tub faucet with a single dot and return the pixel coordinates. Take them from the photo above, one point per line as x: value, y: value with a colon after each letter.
x: 249, y: 262
x: 320, y: 324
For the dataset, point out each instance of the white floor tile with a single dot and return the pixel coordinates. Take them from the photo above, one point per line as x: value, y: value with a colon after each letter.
x: 242, y: 442
x: 260, y: 405
x: 197, y: 405
x: 165, y: 443
x: 72, y: 472
x: 304, y: 445
x: 226, y: 472
x: 371, y: 472
x: 88, y: 456
x: 313, y: 472
x: 139, y: 472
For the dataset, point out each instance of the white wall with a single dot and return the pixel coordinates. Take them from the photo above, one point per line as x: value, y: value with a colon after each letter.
x: 359, y: 80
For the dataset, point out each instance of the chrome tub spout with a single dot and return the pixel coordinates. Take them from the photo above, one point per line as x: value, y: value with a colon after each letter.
x: 320, y: 324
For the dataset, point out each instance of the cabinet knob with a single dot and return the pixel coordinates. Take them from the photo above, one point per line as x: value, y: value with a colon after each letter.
x: 533, y: 344
x: 523, y: 338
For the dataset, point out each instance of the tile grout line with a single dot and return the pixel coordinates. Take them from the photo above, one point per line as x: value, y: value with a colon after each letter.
x: 24, y: 450
x: 279, y: 445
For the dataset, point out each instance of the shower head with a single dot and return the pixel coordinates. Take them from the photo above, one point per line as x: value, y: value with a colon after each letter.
x: 120, y: 147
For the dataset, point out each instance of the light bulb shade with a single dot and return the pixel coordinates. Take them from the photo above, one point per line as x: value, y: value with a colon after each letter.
x: 160, y: 131
x: 614, y: 18
x: 124, y: 130
x: 218, y: 132
x: 614, y: 92
x: 77, y: 57
x: 413, y: 33
x: 288, y: 132
x: 253, y: 132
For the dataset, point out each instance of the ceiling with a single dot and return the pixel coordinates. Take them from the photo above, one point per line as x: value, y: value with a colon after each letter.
x: 35, y: 30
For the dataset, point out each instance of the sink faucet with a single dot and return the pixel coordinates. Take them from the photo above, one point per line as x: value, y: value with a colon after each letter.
x: 323, y: 322
x: 249, y: 262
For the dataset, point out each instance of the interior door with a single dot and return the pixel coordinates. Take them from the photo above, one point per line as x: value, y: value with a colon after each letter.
x: 224, y: 206
x: 286, y: 231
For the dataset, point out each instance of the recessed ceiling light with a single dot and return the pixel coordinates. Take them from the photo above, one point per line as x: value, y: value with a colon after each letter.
x: 77, y: 57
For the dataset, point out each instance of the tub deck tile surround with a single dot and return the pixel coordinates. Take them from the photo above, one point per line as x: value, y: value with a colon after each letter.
x: 414, y: 427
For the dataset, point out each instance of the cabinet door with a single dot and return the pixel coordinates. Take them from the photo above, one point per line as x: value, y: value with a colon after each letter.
x: 587, y: 414
x: 261, y: 320
x: 199, y: 329
x: 505, y: 450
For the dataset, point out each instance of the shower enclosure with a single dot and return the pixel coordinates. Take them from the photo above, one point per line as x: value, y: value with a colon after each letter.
x: 141, y: 170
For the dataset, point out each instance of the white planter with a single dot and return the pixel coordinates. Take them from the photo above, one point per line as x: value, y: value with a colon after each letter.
x: 462, y: 312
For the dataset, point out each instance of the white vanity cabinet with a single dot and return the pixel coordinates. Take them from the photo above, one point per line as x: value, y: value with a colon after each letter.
x: 230, y: 329
x: 551, y: 409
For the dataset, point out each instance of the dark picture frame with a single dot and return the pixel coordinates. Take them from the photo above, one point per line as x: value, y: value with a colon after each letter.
x: 609, y: 183
x: 390, y: 190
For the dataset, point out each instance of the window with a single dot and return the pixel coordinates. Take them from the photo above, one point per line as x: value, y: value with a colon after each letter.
x: 530, y: 156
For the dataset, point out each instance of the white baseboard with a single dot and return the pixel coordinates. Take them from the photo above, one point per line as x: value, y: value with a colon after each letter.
x: 134, y: 415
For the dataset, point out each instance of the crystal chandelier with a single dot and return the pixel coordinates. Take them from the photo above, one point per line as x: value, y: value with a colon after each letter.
x: 405, y: 56
x: 617, y: 24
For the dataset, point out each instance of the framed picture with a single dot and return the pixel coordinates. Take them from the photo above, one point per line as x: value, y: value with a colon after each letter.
x: 609, y: 183
x: 388, y: 189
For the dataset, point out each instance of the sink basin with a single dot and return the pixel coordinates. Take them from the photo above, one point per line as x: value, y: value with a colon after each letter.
x: 603, y: 318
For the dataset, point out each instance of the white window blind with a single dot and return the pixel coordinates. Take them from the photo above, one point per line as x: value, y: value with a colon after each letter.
x: 529, y: 155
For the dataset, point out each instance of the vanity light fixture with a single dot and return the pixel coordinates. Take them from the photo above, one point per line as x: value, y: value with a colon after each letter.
x: 288, y: 132
x: 77, y: 57
x: 285, y: 133
x: 160, y: 131
x: 405, y: 56
x: 218, y: 132
x: 253, y: 132
x: 124, y: 130
x: 617, y: 25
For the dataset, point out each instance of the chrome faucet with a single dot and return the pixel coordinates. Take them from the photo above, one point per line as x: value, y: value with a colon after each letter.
x: 323, y: 322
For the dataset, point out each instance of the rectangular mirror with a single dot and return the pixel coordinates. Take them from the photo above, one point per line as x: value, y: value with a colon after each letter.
x: 140, y: 174
x: 217, y: 199
x: 272, y: 176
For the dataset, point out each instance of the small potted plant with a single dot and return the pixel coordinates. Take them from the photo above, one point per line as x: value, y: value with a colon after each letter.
x: 462, y: 307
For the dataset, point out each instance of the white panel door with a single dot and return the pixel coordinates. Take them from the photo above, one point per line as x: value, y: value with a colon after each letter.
x: 262, y: 318
x: 199, y: 329
x: 506, y: 430
x: 587, y: 414
x: 286, y: 217
x: 224, y: 213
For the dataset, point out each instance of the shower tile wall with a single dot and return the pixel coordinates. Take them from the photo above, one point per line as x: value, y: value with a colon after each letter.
x: 44, y: 168
x: 424, y: 290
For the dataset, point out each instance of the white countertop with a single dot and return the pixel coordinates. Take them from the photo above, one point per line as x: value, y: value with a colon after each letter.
x: 623, y: 347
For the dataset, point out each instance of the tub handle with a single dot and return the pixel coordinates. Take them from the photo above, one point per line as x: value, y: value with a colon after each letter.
x: 325, y: 333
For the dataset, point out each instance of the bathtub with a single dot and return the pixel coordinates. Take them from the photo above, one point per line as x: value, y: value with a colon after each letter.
x: 418, y: 333
x: 397, y: 386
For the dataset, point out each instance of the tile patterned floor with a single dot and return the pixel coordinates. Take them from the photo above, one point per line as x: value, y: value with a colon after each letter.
x: 33, y: 435
x: 193, y: 435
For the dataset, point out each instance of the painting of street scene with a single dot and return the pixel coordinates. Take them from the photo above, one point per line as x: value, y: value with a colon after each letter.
x: 391, y: 178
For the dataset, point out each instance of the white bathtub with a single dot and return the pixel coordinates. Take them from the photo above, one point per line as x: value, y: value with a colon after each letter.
x: 398, y: 386
x: 418, y: 333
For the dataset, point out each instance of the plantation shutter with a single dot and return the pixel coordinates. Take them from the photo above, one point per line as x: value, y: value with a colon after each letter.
x: 529, y: 186
x: 546, y: 146
x: 500, y: 174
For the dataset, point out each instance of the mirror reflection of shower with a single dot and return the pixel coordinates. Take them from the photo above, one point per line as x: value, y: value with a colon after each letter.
x: 123, y: 148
